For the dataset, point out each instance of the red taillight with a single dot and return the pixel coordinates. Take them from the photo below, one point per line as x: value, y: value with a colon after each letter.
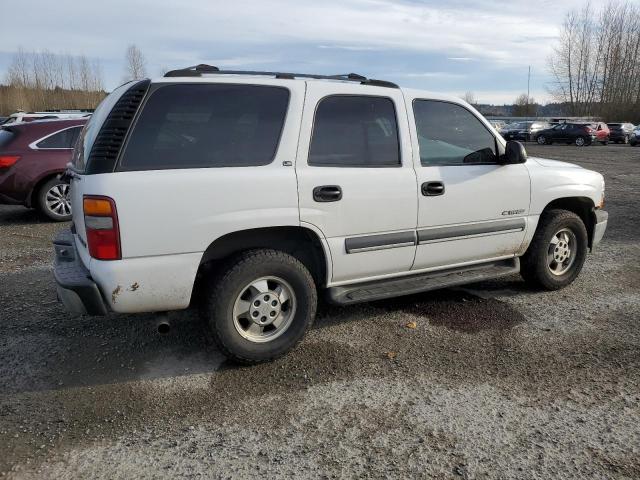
x: 8, y: 160
x: 101, y: 225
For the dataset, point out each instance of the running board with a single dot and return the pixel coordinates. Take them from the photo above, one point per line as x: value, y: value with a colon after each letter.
x: 396, y: 287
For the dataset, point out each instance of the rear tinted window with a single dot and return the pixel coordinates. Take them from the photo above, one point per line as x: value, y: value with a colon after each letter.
x: 5, y: 137
x: 63, y: 139
x: 196, y: 126
x: 355, y: 131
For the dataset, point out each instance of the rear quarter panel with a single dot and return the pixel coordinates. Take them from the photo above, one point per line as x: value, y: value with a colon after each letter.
x: 168, y: 218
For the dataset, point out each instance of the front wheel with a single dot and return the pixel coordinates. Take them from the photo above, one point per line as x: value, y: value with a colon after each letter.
x: 261, y: 306
x: 557, y: 251
x: 542, y: 140
x: 54, y: 201
x: 580, y: 141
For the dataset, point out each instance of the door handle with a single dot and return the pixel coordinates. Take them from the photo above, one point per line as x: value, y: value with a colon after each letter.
x: 327, y: 193
x: 432, y: 189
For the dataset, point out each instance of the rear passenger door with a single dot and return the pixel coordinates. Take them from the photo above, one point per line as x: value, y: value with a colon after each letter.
x: 356, y: 182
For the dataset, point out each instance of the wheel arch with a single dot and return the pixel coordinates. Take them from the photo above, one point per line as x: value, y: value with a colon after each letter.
x: 38, y: 185
x: 300, y: 242
x: 581, y: 206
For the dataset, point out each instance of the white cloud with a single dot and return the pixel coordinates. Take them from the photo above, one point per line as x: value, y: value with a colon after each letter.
x: 487, y: 30
x: 500, y: 35
x: 436, y: 75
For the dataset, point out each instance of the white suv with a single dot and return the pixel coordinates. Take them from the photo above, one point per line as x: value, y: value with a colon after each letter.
x: 256, y: 191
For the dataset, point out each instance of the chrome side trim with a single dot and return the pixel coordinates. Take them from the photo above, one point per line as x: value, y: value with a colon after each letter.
x: 380, y: 242
x: 34, y: 145
x: 443, y: 234
x: 381, y: 247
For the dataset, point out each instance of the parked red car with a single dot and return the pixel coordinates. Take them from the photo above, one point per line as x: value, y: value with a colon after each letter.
x: 32, y: 156
x: 602, y: 132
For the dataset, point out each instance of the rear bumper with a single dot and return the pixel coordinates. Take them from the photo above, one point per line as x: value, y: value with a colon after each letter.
x: 599, y: 227
x: 76, y: 290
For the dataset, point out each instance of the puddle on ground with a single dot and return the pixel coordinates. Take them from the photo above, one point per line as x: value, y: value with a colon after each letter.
x: 460, y: 311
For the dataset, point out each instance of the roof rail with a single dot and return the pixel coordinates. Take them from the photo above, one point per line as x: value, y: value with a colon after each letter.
x: 199, y: 70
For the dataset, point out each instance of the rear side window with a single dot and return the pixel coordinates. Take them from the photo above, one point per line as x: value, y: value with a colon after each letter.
x: 62, y: 139
x: 198, y: 126
x: 449, y: 134
x: 355, y: 131
x: 5, y: 137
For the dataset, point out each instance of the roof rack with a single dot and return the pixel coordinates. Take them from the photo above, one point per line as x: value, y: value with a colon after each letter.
x: 199, y: 70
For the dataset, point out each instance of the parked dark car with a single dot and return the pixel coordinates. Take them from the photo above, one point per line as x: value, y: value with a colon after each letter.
x: 634, y: 139
x: 32, y: 156
x: 620, y: 132
x: 579, y: 133
x: 523, y: 131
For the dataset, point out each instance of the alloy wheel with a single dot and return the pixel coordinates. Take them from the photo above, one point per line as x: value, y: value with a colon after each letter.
x: 562, y: 252
x: 264, y: 309
x: 58, y: 200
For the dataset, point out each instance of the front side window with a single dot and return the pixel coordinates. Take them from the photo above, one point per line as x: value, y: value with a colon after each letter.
x: 214, y: 125
x: 355, y: 131
x: 63, y: 139
x: 449, y: 134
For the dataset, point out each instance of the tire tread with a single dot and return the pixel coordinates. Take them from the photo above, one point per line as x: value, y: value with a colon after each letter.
x: 533, y: 263
x: 219, y: 288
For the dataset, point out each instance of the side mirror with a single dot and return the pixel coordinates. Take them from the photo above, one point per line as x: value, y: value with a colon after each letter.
x: 514, y: 153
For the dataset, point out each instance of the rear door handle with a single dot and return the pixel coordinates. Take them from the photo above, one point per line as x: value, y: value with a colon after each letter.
x: 327, y: 193
x: 432, y: 189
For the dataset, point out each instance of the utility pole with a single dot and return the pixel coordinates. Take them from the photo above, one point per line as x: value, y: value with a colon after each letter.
x: 528, y: 89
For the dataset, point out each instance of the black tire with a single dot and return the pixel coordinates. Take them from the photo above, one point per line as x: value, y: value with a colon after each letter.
x: 534, y: 266
x: 44, y: 206
x: 580, y: 141
x: 542, y: 140
x: 229, y: 285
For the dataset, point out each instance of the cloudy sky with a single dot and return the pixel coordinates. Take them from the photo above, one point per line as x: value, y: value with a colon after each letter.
x: 452, y: 46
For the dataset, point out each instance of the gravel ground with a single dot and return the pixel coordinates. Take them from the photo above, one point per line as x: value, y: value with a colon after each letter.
x: 494, y: 381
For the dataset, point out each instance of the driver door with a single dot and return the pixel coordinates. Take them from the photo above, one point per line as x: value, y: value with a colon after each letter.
x: 470, y: 207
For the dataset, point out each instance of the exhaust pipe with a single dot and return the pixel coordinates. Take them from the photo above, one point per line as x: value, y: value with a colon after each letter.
x: 164, y: 327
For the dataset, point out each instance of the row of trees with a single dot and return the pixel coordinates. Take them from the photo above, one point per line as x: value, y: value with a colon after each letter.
x: 596, y: 63
x: 524, y: 105
x: 37, y: 81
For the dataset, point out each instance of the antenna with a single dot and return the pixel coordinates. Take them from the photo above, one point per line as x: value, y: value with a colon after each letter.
x: 528, y: 89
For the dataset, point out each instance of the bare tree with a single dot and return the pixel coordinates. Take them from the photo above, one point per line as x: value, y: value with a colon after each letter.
x: 470, y: 98
x: 596, y: 63
x: 45, y: 80
x: 136, y: 67
x: 524, y: 106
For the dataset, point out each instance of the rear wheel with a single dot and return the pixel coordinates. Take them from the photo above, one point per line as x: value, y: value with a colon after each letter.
x: 557, y: 252
x: 54, y: 201
x: 261, y: 305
